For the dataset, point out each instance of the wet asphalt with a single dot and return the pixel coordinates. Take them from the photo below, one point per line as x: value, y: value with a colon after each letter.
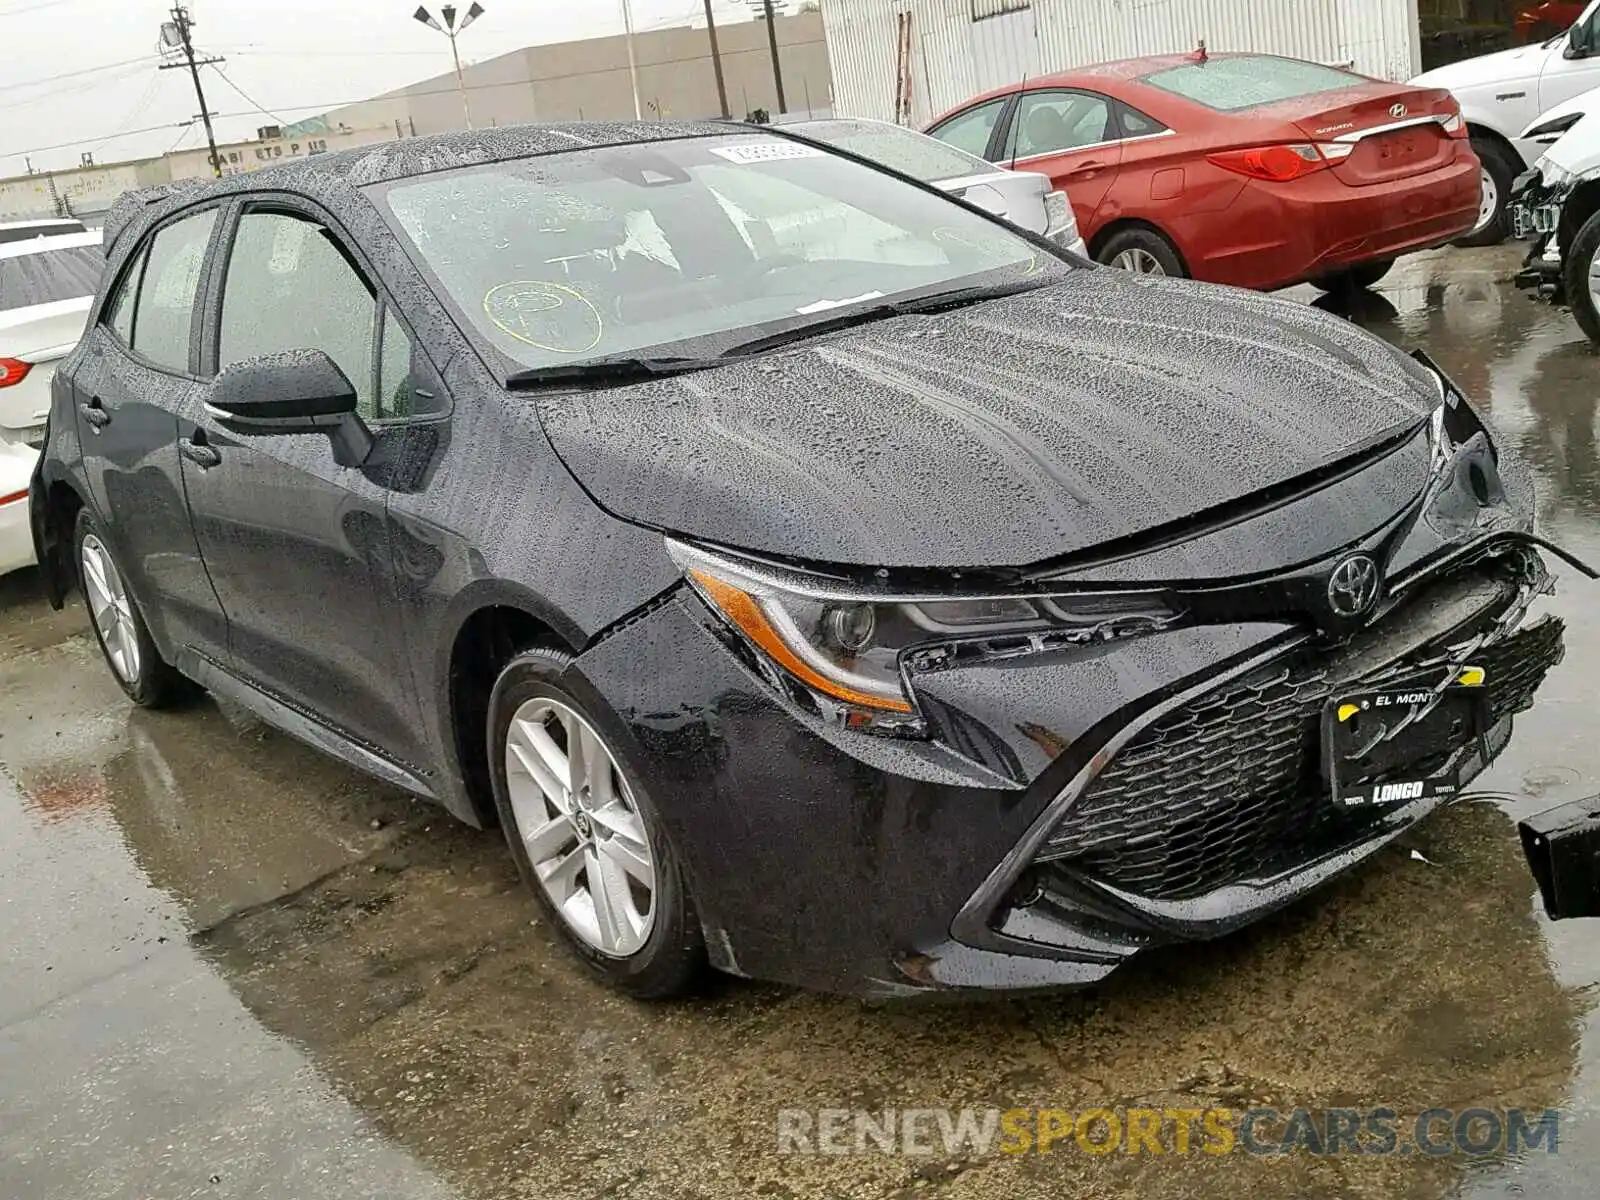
x: 233, y: 968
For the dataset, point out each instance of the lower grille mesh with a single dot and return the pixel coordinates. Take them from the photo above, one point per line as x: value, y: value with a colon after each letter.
x: 1229, y: 787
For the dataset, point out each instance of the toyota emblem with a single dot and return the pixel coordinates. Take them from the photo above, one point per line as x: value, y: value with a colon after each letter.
x: 1399, y: 110
x: 1353, y: 587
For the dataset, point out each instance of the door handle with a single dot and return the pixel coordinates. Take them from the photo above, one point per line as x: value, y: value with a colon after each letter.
x: 97, y: 416
x: 1086, y: 170
x: 201, y: 453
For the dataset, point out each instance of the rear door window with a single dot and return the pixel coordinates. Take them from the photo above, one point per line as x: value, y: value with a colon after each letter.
x: 49, y: 276
x: 971, y: 130
x: 1250, y: 80
x: 1058, y: 122
x: 164, y: 319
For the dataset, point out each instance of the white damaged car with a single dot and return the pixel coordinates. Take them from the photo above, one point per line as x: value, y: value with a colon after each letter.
x: 46, y: 287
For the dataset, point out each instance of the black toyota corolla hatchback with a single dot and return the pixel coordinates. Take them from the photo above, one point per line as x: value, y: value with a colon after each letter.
x: 811, y: 574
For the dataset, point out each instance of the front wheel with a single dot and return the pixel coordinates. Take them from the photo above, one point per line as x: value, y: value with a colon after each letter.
x: 1580, y: 277
x: 118, y: 626
x: 1498, y: 171
x: 585, y: 834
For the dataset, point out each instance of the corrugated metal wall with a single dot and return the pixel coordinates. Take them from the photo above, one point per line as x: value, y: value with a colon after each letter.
x: 956, y: 57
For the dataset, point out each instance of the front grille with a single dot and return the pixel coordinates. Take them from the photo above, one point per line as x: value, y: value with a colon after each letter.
x: 1229, y: 787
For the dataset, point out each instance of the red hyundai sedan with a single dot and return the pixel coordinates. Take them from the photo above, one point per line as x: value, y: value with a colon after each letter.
x: 1246, y: 169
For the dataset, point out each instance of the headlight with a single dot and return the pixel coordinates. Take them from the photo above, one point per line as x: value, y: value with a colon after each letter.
x: 1550, y: 132
x: 847, y: 650
x: 1552, y: 175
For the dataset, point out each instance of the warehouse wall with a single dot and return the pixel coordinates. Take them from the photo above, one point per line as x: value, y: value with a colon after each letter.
x: 589, y: 80
x: 955, y: 56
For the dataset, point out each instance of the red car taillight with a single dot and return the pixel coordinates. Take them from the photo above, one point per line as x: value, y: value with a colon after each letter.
x: 13, y: 371
x: 1281, y: 163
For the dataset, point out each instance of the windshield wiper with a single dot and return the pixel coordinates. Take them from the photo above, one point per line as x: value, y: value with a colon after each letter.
x: 608, y: 370
x: 845, y: 319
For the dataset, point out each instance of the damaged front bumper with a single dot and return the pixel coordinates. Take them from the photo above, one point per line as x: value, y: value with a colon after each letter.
x: 1538, y: 198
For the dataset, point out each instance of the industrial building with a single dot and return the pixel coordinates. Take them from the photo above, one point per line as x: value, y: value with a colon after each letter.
x: 570, y: 81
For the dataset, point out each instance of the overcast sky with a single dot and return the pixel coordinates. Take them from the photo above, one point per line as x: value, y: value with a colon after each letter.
x: 297, y: 58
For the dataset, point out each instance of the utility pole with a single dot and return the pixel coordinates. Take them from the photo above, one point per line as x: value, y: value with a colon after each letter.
x: 633, y: 62
x: 716, y: 61
x: 175, y: 36
x: 451, y: 30
x: 772, y: 44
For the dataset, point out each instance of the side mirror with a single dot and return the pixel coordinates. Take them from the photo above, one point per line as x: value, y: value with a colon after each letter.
x: 298, y: 391
x: 1577, y: 41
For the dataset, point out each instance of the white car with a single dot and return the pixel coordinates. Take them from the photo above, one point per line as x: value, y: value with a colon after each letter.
x: 1025, y: 198
x: 46, y: 287
x: 1557, y: 210
x: 1502, y: 95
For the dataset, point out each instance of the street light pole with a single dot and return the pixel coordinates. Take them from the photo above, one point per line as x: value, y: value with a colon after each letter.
x: 633, y: 62
x: 451, y: 30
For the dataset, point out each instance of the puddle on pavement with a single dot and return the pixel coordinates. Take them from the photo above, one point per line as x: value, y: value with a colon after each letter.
x: 221, y: 968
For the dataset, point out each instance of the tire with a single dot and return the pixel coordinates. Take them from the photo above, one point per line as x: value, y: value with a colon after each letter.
x: 1576, y: 263
x: 1357, y: 278
x: 667, y: 957
x: 1143, y: 251
x: 135, y: 663
x: 1500, y: 169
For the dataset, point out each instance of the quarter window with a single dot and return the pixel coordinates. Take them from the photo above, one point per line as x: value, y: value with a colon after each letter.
x: 1056, y: 122
x: 122, y: 306
x: 394, y: 397
x: 290, y: 286
x: 162, y: 323
x: 971, y: 130
x: 1137, y: 124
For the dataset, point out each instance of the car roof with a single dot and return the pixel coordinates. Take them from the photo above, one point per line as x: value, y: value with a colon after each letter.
x: 43, y: 245
x: 1097, y: 75
x: 337, y: 177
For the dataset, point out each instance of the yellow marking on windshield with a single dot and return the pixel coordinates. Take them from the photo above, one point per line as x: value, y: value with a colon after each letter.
x: 516, y: 310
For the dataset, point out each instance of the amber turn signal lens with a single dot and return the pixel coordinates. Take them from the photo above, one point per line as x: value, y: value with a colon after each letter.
x: 741, y: 608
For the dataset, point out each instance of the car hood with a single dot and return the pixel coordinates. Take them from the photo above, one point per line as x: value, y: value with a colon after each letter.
x: 1524, y: 63
x: 1002, y: 434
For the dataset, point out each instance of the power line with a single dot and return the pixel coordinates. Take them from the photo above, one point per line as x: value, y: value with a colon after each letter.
x: 246, y: 97
x: 28, y: 8
x: 9, y: 87
x: 188, y: 128
x: 86, y: 141
x: 75, y: 89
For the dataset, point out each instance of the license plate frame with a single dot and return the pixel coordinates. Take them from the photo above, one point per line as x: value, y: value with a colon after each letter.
x: 1378, y: 732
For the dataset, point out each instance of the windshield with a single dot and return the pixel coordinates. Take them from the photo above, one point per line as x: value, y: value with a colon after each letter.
x: 49, y: 276
x: 1249, y: 80
x: 904, y: 150
x: 696, y: 244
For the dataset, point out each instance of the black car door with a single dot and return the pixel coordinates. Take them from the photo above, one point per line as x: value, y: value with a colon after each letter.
x: 297, y: 546
x: 131, y: 378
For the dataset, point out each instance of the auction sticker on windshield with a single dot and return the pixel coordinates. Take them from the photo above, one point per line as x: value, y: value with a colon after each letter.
x: 758, y: 152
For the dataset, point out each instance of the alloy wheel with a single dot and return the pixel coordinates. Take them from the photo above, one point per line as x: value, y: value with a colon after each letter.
x: 577, y: 817
x: 112, y: 611
x: 1594, y: 281
x: 1140, y: 262
x: 1488, y: 201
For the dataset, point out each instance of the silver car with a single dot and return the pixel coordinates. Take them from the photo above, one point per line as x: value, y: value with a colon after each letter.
x: 1024, y: 198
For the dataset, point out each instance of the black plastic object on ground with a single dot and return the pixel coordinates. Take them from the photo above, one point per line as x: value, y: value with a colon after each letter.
x: 1562, y: 846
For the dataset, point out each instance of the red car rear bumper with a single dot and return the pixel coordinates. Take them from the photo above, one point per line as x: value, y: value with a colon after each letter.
x: 1274, y: 235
